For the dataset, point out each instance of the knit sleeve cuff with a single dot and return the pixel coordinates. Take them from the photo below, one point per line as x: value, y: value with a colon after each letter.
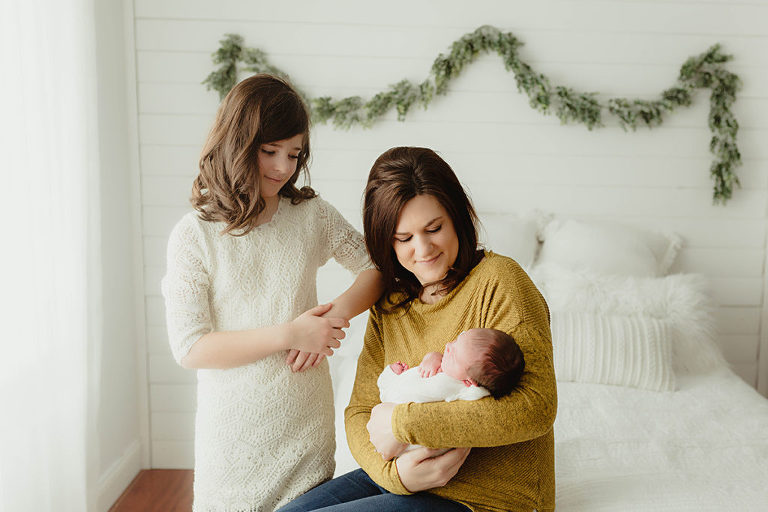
x: 398, y: 424
x: 396, y: 486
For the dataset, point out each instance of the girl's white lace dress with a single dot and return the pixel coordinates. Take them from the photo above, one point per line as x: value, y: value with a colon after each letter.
x: 263, y: 434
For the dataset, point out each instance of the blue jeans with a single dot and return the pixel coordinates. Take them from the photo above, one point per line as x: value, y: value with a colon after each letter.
x: 356, y: 492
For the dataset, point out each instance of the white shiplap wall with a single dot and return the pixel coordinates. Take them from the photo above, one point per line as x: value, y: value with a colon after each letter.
x: 510, y: 157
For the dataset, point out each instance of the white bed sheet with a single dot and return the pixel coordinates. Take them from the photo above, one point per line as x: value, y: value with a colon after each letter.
x: 702, y: 447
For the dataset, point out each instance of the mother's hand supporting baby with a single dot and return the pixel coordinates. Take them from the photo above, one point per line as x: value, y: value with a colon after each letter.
x: 380, y: 431
x: 420, y: 469
x: 424, y: 468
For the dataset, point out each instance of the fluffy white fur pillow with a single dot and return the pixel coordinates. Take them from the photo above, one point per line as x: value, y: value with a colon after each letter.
x: 608, y: 248
x: 510, y: 235
x: 632, y: 351
x: 680, y: 299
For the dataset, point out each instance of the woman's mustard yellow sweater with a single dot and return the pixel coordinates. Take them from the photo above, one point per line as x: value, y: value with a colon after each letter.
x: 511, y: 465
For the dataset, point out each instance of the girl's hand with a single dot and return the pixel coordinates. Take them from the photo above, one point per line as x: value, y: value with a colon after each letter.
x: 310, y: 333
x: 430, y: 365
x: 426, y: 468
x: 380, y: 431
x: 300, y: 361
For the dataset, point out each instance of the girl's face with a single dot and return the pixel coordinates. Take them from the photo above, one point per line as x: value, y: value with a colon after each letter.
x: 277, y: 163
x: 425, y: 240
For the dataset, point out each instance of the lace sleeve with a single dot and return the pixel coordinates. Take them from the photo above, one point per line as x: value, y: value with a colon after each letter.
x: 345, y: 243
x: 185, y: 288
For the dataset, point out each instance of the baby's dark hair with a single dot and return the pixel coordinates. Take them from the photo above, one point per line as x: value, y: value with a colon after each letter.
x: 501, y: 362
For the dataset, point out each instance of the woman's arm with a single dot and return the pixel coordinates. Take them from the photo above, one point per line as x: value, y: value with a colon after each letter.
x: 415, y: 471
x: 359, y: 297
x: 424, y: 468
x: 515, y: 306
x: 526, y: 414
x: 364, y: 397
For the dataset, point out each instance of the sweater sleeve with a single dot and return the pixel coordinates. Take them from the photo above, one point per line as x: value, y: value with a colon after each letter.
x: 365, y: 395
x: 185, y: 288
x: 514, y: 305
x: 344, y: 243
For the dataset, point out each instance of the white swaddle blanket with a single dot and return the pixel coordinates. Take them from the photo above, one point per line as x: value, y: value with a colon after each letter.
x: 410, y: 387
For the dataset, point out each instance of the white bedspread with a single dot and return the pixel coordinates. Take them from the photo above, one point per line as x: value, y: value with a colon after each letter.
x: 703, y: 447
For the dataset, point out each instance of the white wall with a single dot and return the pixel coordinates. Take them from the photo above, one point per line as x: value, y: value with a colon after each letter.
x: 511, y: 158
x: 119, y: 440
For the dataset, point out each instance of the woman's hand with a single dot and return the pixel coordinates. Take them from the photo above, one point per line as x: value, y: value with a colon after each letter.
x: 425, y: 468
x: 310, y: 333
x: 300, y: 361
x: 380, y: 431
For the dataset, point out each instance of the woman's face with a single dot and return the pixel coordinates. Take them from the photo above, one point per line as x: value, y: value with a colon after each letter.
x: 277, y: 163
x: 425, y: 240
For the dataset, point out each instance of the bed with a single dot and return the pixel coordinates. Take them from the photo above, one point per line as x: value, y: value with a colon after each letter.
x: 701, y: 447
x: 650, y: 417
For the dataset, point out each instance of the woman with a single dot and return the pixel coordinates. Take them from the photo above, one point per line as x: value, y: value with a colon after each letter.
x: 420, y: 233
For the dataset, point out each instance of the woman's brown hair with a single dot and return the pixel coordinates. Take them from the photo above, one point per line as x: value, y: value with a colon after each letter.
x: 258, y: 110
x: 397, y: 176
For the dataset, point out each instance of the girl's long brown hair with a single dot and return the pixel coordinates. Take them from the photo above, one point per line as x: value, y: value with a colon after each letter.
x: 397, y: 176
x: 258, y: 110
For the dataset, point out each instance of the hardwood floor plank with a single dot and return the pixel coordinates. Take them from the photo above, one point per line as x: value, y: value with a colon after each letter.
x: 157, y: 490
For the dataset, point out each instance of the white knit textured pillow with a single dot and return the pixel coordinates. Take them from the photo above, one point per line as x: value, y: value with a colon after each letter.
x: 632, y: 351
x: 682, y: 300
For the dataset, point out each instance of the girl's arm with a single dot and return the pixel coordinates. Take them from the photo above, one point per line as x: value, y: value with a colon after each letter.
x: 194, y: 344
x: 359, y: 297
x: 310, y: 337
x: 229, y: 349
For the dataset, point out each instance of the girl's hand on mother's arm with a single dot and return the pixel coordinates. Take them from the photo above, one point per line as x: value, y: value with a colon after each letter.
x: 424, y: 468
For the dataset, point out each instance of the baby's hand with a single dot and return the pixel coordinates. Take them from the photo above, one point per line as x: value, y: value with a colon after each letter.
x: 430, y: 365
x: 398, y: 367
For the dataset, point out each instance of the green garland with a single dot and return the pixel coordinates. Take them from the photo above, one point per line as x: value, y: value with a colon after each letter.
x: 705, y: 71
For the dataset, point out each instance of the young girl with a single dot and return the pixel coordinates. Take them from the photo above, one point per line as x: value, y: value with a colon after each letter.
x: 241, y: 270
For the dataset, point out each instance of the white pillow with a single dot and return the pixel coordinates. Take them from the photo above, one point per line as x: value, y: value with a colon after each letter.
x: 632, y: 351
x: 681, y: 299
x: 510, y: 235
x: 609, y: 248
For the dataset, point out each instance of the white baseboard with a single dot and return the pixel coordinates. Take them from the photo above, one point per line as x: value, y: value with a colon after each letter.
x: 119, y: 475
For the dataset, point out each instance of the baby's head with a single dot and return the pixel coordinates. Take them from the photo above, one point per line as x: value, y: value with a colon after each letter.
x: 485, y: 357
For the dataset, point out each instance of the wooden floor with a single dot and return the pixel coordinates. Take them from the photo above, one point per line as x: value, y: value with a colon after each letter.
x: 157, y: 490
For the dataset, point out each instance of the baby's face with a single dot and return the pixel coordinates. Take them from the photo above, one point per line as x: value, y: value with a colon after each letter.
x: 459, y: 355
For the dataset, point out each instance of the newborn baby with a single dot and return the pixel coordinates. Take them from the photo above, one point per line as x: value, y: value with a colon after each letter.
x: 478, y: 363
